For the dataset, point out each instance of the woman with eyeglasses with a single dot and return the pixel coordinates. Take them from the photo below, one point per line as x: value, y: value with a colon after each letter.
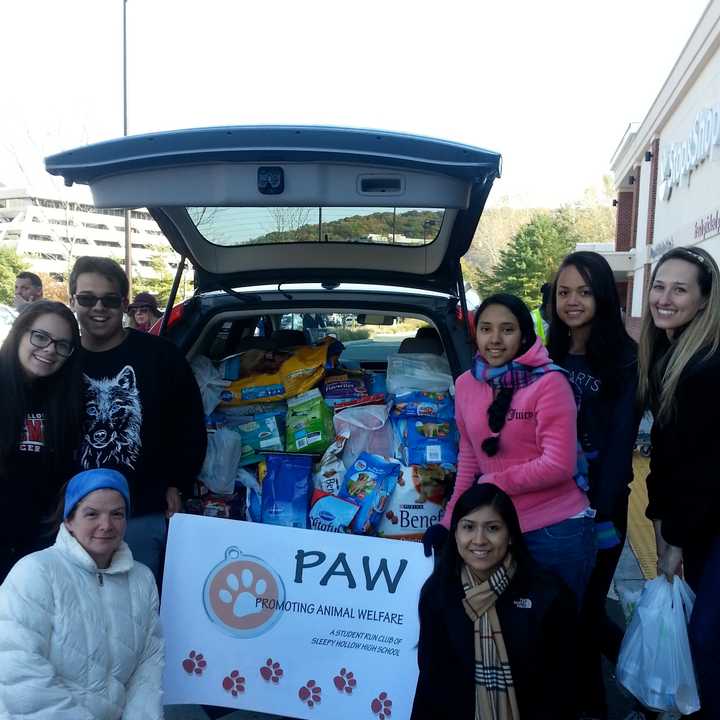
x: 679, y: 381
x: 40, y: 417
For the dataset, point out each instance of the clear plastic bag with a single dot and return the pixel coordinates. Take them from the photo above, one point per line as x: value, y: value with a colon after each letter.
x: 209, y: 381
x: 224, y: 450
x: 418, y: 371
x: 655, y: 663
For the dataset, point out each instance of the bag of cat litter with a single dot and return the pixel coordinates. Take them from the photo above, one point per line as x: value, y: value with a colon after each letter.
x: 309, y: 423
x: 286, y: 489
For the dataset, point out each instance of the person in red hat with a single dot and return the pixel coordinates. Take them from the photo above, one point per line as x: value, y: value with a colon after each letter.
x: 143, y: 311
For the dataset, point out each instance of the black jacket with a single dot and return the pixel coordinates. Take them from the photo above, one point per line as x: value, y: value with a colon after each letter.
x: 608, y: 422
x: 540, y: 637
x: 684, y: 480
x: 29, y: 493
x: 144, y: 417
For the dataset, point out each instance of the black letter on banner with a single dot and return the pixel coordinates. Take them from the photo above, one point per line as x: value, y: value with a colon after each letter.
x: 300, y: 565
x: 392, y: 583
x: 346, y: 572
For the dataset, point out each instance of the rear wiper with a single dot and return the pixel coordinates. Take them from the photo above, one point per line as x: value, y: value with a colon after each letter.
x: 240, y: 296
x: 286, y: 295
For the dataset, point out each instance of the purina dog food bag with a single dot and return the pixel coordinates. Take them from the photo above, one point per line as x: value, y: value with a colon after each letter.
x: 416, y: 503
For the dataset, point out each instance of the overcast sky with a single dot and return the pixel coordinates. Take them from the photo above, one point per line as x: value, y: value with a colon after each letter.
x: 551, y: 85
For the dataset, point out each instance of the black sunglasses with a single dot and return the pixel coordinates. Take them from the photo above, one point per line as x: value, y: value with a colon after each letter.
x: 89, y: 300
x: 41, y: 339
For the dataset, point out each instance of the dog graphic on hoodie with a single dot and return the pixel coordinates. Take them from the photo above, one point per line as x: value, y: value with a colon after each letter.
x: 113, y: 417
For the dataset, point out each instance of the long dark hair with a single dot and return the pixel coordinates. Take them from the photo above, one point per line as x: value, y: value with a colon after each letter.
x: 59, y: 396
x: 497, y: 412
x: 478, y: 496
x: 609, y: 347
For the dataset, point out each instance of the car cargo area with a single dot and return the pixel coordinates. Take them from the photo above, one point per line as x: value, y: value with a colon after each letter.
x: 338, y: 421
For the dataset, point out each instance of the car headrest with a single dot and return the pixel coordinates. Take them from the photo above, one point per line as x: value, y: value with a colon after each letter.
x: 429, y: 345
x: 289, y: 338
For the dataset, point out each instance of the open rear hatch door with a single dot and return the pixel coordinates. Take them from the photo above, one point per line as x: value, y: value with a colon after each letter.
x: 274, y: 204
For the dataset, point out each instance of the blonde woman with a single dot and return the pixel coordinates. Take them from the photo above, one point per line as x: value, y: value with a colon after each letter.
x: 679, y: 363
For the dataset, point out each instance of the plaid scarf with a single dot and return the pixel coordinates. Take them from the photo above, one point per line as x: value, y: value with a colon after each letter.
x: 513, y: 375
x: 494, y: 691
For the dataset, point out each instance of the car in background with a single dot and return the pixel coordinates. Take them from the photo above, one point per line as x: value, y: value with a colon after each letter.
x: 290, y: 229
x: 7, y: 318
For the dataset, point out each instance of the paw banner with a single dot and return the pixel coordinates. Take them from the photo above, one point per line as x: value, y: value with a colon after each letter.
x: 291, y: 622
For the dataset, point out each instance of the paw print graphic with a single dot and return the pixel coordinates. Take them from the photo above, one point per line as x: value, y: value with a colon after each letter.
x: 240, y: 593
x: 382, y: 706
x: 234, y: 683
x: 271, y: 671
x: 310, y: 693
x: 345, y: 681
x: 194, y: 663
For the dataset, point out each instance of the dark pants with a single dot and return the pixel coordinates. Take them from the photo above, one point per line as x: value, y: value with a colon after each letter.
x: 702, y: 572
x: 599, y: 635
x: 566, y: 548
x: 146, y: 535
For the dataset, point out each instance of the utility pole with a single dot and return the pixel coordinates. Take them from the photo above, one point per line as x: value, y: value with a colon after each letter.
x: 128, y: 245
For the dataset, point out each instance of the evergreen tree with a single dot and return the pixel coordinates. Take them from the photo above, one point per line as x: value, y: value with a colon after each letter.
x: 532, y: 257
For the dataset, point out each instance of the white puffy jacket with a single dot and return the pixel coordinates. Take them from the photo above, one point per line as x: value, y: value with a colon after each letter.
x: 77, y: 642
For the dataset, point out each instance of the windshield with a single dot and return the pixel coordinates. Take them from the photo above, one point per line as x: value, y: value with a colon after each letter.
x: 232, y: 226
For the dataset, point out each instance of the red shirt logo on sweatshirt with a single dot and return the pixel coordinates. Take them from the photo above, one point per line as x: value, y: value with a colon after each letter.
x: 33, y: 433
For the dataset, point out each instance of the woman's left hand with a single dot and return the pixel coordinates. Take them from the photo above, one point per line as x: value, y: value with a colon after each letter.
x: 670, y: 562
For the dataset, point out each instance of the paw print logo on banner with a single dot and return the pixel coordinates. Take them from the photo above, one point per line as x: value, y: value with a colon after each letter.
x: 243, y: 594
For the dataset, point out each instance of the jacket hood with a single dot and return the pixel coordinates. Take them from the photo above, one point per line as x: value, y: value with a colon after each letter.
x: 66, y: 544
x: 535, y: 356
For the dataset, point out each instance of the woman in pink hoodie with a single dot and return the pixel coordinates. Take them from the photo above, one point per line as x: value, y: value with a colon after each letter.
x: 516, y: 415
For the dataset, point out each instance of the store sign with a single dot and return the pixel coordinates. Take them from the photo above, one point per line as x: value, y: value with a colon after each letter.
x: 292, y: 622
x: 658, y: 249
x: 680, y: 160
x: 707, y: 226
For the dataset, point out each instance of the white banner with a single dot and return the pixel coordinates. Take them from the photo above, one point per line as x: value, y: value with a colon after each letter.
x: 298, y: 623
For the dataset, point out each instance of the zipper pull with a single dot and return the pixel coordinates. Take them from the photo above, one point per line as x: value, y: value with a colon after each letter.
x: 100, y: 579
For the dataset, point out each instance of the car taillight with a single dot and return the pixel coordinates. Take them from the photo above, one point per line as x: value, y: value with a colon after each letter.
x: 471, y: 318
x: 175, y: 314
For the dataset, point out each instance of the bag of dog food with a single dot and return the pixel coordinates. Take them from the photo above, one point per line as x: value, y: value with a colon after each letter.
x: 426, y: 441
x: 368, y: 483
x: 416, y: 503
x: 299, y: 372
x: 419, y: 403
x: 330, y: 471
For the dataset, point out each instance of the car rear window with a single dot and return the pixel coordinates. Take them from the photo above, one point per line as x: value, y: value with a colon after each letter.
x: 233, y: 226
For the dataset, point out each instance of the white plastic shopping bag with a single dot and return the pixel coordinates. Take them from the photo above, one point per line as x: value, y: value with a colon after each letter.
x: 655, y: 664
